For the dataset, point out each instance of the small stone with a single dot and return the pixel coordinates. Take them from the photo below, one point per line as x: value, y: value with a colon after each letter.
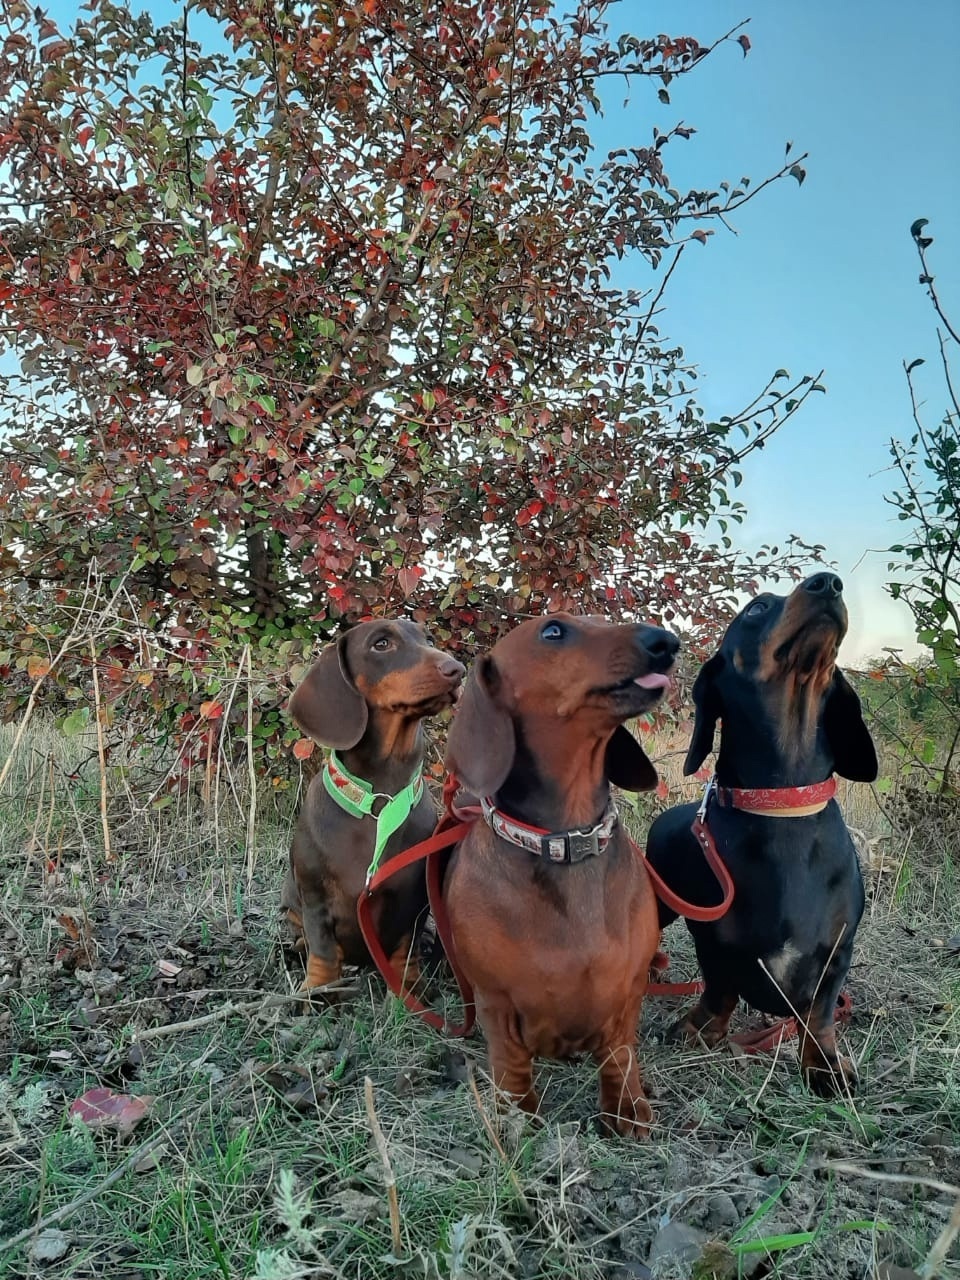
x: 722, y: 1215
x: 355, y: 1206
x: 49, y: 1246
x: 675, y: 1248
x: 467, y: 1162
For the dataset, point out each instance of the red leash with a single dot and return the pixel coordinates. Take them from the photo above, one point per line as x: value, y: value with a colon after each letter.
x: 755, y: 800
x: 450, y: 830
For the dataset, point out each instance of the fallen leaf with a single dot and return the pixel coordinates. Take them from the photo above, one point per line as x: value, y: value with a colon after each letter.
x: 104, y: 1109
x: 151, y: 1159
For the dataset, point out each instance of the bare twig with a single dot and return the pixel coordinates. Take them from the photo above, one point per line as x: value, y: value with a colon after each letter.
x: 68, y: 1210
x: 233, y: 1009
x: 101, y: 754
x: 935, y: 1259
x: 843, y: 1166
x: 389, y: 1178
x: 251, y: 774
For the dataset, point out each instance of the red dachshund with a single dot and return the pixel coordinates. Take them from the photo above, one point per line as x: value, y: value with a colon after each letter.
x: 553, y: 915
x: 365, y: 697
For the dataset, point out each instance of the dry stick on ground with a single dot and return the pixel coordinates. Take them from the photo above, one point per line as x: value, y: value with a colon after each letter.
x: 101, y: 754
x: 232, y: 1009
x: 68, y: 1210
x: 92, y: 1193
x: 938, y: 1252
x: 252, y: 774
x: 525, y: 1204
x: 389, y: 1179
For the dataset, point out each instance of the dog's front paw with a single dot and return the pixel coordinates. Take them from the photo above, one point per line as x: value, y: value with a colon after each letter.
x: 630, y: 1119
x: 828, y: 1079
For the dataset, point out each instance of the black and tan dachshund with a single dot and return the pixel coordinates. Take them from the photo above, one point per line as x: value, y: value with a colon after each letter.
x: 789, y: 719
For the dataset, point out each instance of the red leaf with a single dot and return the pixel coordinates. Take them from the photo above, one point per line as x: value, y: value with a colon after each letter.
x: 662, y: 789
x: 527, y: 513
x: 303, y: 748
x: 104, y: 1109
x: 700, y: 235
x: 744, y: 43
x: 211, y: 710
x: 408, y: 578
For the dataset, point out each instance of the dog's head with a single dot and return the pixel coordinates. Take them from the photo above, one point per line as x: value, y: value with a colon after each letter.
x: 778, y: 661
x: 387, y: 665
x: 560, y: 678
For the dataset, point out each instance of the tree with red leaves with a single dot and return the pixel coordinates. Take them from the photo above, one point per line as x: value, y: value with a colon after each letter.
x: 315, y: 316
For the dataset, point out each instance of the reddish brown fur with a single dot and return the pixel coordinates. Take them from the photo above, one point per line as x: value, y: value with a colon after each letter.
x: 558, y: 955
x: 803, y: 671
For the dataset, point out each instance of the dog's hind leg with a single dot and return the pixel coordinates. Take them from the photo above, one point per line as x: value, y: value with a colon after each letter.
x: 708, y: 1020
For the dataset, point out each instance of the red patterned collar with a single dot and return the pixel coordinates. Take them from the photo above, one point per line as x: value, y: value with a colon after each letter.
x: 777, y: 801
x: 553, y: 846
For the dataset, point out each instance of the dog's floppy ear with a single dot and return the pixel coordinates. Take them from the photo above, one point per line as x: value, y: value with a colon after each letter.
x: 627, y: 763
x: 326, y: 704
x: 706, y: 702
x: 854, y: 755
x: 481, y: 743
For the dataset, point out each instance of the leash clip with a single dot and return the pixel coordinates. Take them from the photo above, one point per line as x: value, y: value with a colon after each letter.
x: 708, y: 791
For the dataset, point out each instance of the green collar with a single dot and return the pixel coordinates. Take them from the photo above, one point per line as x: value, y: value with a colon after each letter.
x: 357, y: 797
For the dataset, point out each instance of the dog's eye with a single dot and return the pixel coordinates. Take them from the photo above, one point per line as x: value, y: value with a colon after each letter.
x: 758, y: 607
x: 552, y: 631
x: 381, y: 644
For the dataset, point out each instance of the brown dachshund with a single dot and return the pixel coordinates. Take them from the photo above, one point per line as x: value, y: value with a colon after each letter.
x: 365, y: 697
x: 553, y: 915
x: 789, y: 721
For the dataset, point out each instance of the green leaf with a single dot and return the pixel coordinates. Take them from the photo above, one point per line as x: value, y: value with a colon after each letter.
x: 75, y: 722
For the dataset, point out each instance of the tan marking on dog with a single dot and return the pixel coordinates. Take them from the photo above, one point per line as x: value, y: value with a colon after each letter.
x: 780, y: 963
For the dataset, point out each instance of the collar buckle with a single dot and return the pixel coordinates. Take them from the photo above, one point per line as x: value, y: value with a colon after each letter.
x: 708, y: 791
x: 583, y: 844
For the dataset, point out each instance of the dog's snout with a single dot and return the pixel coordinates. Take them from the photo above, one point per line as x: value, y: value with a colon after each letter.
x: 659, y: 646
x: 824, y: 584
x: 451, y: 669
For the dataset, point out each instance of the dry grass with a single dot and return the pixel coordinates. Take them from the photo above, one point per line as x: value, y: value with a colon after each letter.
x: 263, y: 1162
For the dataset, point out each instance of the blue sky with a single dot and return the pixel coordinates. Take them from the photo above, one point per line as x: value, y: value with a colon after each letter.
x: 823, y: 275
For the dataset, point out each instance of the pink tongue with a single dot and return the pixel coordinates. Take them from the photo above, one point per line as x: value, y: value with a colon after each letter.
x: 656, y: 680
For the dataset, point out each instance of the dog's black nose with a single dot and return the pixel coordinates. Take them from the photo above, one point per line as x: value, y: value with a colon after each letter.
x: 824, y: 584
x: 660, y: 646
x: 452, y: 669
